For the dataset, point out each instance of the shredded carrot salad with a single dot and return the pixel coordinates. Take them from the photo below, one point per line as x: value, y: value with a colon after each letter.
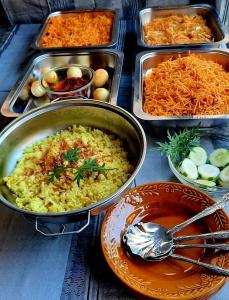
x: 80, y: 29
x: 177, y: 29
x: 190, y: 85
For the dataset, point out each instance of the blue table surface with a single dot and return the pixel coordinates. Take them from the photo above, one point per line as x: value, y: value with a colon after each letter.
x: 33, y: 267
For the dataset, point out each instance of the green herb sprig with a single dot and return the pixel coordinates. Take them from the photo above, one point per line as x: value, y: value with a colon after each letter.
x: 55, y: 173
x: 72, y: 156
x: 89, y: 166
x: 180, y: 144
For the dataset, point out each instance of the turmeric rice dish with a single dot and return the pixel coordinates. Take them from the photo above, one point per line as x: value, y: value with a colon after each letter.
x: 177, y: 29
x: 189, y: 85
x: 69, y: 170
x: 78, y: 29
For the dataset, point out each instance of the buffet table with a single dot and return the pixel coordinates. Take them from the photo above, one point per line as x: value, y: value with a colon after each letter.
x: 69, y: 267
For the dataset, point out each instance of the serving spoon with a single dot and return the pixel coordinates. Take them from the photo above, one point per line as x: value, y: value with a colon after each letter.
x: 151, y: 241
x: 224, y: 234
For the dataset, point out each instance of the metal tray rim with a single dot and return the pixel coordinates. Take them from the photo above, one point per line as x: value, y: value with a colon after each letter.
x: 137, y: 103
x: 10, y: 99
x: 210, y: 8
x: 112, y: 43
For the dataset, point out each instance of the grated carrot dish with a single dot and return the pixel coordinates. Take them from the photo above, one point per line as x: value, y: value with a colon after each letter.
x: 190, y: 85
x: 80, y: 29
x: 177, y: 29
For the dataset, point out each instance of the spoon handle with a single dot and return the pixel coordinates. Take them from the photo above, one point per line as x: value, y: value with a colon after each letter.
x: 210, y: 235
x: 206, y: 212
x: 215, y: 269
x: 224, y: 247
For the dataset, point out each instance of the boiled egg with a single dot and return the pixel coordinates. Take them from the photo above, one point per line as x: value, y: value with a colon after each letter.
x: 74, y: 72
x: 51, y: 77
x: 36, y: 89
x: 25, y: 93
x: 101, y: 94
x: 100, y: 77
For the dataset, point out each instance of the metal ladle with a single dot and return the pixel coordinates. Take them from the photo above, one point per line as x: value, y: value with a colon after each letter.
x: 151, y: 241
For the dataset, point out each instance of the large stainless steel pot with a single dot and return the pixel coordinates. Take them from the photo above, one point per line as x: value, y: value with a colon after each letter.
x: 47, y: 120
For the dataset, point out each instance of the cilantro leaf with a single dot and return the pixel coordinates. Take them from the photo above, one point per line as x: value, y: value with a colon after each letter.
x: 72, y: 155
x: 56, y: 172
x: 89, y: 166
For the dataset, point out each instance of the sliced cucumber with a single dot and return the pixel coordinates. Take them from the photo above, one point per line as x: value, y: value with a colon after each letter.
x: 205, y: 182
x: 189, y: 169
x: 198, y: 155
x: 224, y: 176
x: 208, y: 172
x: 223, y: 183
x: 219, y: 157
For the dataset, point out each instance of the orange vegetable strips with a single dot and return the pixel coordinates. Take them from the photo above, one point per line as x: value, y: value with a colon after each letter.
x: 177, y: 29
x: 80, y: 29
x: 190, y: 85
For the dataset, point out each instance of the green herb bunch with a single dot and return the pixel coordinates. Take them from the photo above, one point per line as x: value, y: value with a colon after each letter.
x: 89, y: 166
x: 72, y: 156
x: 180, y: 144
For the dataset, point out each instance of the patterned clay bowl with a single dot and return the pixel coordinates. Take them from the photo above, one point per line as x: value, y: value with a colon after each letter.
x: 167, y: 204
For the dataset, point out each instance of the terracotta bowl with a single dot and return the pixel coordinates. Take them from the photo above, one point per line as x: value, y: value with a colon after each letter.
x: 167, y: 204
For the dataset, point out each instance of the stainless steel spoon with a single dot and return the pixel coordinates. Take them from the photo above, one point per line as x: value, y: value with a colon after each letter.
x: 224, y: 234
x: 204, y: 213
x: 213, y: 268
x: 224, y: 247
x: 150, y: 240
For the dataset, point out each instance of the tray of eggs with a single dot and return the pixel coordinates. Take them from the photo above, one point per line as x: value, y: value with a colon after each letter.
x: 94, y: 74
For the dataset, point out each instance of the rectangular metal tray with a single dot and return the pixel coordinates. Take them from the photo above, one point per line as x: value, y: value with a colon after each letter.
x: 148, y: 60
x: 109, y: 59
x: 111, y: 44
x: 206, y: 11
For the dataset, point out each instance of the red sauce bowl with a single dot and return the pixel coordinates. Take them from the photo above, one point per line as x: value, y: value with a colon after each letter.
x: 69, y: 87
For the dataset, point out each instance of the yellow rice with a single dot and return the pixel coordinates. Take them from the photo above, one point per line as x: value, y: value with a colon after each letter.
x: 35, y: 192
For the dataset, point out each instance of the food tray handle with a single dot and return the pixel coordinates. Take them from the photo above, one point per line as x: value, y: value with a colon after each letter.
x: 62, y: 231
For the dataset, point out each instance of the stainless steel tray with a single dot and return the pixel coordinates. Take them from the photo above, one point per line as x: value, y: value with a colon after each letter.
x: 206, y: 11
x: 109, y: 59
x: 111, y: 44
x: 148, y: 60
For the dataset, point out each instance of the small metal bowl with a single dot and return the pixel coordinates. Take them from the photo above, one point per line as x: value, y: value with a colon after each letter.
x: 211, y: 139
x: 85, y: 90
x: 47, y: 120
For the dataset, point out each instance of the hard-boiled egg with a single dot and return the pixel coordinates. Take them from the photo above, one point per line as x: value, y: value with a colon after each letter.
x: 100, y: 77
x: 51, y: 77
x: 101, y: 94
x: 74, y: 72
x: 24, y: 95
x: 41, y: 101
x: 36, y: 89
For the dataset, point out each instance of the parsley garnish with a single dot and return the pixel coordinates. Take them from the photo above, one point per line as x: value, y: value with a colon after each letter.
x: 55, y: 173
x: 72, y: 155
x: 89, y: 166
x: 179, y: 145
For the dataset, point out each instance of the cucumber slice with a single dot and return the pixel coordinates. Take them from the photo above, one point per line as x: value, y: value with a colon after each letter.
x: 219, y: 157
x: 189, y: 169
x: 198, y: 155
x: 205, y: 182
x: 208, y: 172
x: 224, y: 176
x: 224, y: 183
